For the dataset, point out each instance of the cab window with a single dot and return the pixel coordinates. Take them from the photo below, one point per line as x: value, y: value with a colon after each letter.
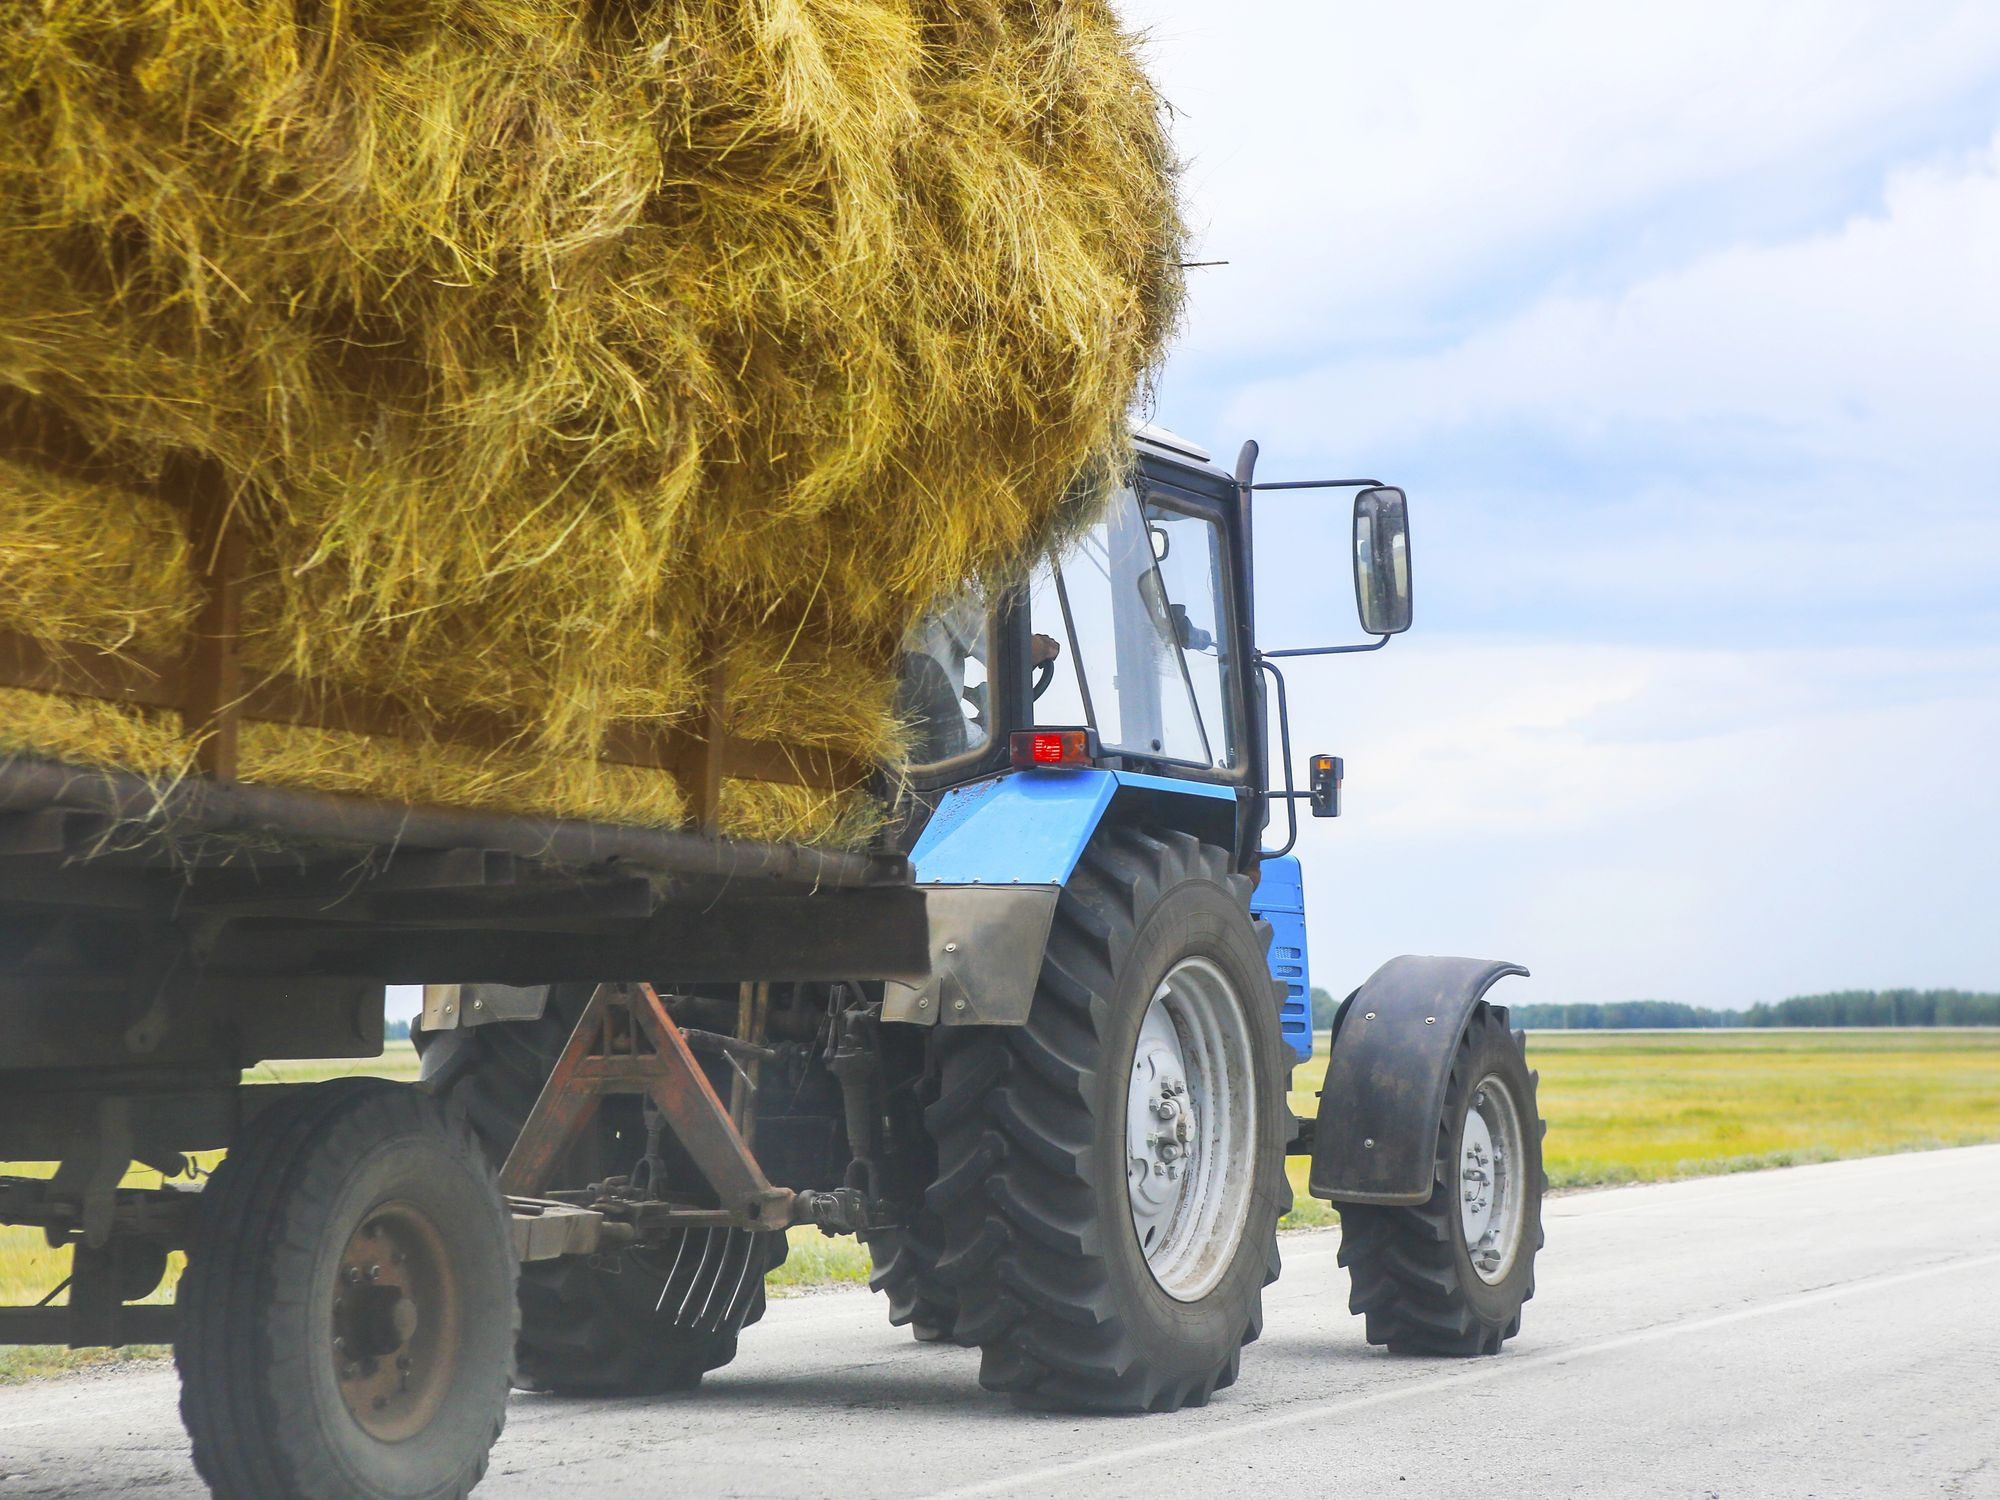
x: 942, y: 692
x: 1136, y: 606
x: 1188, y: 551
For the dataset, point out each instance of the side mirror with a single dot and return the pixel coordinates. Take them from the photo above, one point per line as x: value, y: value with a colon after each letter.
x: 1382, y: 560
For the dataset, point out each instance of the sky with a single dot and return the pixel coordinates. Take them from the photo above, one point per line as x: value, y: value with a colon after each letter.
x: 1681, y: 327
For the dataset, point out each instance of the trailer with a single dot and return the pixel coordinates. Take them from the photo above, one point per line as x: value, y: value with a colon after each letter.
x: 1033, y: 1046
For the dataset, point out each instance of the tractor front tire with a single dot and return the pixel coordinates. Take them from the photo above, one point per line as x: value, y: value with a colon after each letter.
x: 1449, y: 1276
x: 1105, y: 1260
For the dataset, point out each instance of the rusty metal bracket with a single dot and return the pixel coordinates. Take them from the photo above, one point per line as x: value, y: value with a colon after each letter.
x: 626, y: 1043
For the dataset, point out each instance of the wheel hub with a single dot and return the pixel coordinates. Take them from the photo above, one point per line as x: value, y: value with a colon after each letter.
x: 396, y: 1321
x: 1490, y: 1192
x: 1190, y: 1129
x: 1161, y: 1127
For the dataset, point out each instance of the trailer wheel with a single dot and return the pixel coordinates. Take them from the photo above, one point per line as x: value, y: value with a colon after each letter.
x: 1450, y: 1276
x: 634, y: 1324
x: 1111, y: 1173
x: 347, y: 1316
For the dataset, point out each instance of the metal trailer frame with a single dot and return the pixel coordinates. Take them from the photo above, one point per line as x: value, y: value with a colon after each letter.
x: 157, y: 940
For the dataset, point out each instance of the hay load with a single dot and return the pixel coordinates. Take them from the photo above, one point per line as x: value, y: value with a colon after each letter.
x: 555, y: 377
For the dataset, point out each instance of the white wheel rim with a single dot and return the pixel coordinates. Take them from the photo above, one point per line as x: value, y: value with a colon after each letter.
x: 1191, y: 1129
x: 1491, y: 1196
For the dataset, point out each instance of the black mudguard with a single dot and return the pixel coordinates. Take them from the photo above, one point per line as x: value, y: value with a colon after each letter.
x: 1393, y: 1043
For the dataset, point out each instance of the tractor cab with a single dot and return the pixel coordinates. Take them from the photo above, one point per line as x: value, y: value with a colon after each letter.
x: 1133, y: 650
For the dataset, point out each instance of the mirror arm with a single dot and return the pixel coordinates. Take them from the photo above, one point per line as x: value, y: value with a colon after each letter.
x: 1321, y: 484
x: 1375, y: 645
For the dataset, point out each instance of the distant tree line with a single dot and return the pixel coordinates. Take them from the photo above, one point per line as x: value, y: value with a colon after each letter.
x: 1844, y: 1008
x: 396, y: 1031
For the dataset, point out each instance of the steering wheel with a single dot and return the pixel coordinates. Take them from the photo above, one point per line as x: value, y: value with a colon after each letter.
x: 1045, y: 673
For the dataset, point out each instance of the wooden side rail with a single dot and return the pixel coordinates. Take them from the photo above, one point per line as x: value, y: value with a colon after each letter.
x: 150, y: 681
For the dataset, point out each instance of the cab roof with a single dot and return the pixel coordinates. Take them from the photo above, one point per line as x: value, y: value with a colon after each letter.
x: 1180, y: 451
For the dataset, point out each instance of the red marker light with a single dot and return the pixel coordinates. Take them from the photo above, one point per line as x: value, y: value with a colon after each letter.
x: 1050, y: 747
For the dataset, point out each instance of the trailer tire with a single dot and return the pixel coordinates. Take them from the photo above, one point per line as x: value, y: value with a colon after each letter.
x: 1412, y: 1270
x: 1039, y: 1189
x: 586, y: 1329
x: 307, y: 1376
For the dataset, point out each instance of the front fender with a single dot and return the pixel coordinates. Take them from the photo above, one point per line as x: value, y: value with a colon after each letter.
x: 1393, y: 1044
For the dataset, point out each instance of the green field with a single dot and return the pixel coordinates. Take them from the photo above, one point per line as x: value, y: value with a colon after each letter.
x: 1621, y: 1107
x: 1647, y: 1106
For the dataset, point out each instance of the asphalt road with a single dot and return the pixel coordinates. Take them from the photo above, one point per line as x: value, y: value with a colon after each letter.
x: 1829, y: 1330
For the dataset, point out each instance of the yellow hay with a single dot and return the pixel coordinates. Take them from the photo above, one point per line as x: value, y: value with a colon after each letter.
x: 319, y: 760
x: 90, y: 564
x: 540, y: 342
x: 84, y: 729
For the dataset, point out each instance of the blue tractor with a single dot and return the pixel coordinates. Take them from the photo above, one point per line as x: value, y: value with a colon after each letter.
x: 1120, y: 983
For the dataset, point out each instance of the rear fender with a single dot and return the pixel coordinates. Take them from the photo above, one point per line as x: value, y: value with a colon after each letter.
x: 1393, y: 1044
x: 992, y: 862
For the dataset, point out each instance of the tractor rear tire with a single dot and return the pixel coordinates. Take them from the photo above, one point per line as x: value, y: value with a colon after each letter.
x: 904, y: 1269
x: 1417, y: 1275
x: 1041, y: 1142
x: 602, y: 1328
x: 347, y: 1316
x: 587, y: 1330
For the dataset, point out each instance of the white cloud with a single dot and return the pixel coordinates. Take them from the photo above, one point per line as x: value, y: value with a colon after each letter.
x: 1876, y: 345
x: 1792, y: 439
x: 1711, y: 826
x: 1364, y: 167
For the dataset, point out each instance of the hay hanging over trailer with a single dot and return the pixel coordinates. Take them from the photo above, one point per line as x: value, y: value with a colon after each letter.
x: 570, y: 396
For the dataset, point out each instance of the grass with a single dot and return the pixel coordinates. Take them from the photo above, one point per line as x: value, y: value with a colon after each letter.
x: 1652, y: 1106
x: 1621, y: 1107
